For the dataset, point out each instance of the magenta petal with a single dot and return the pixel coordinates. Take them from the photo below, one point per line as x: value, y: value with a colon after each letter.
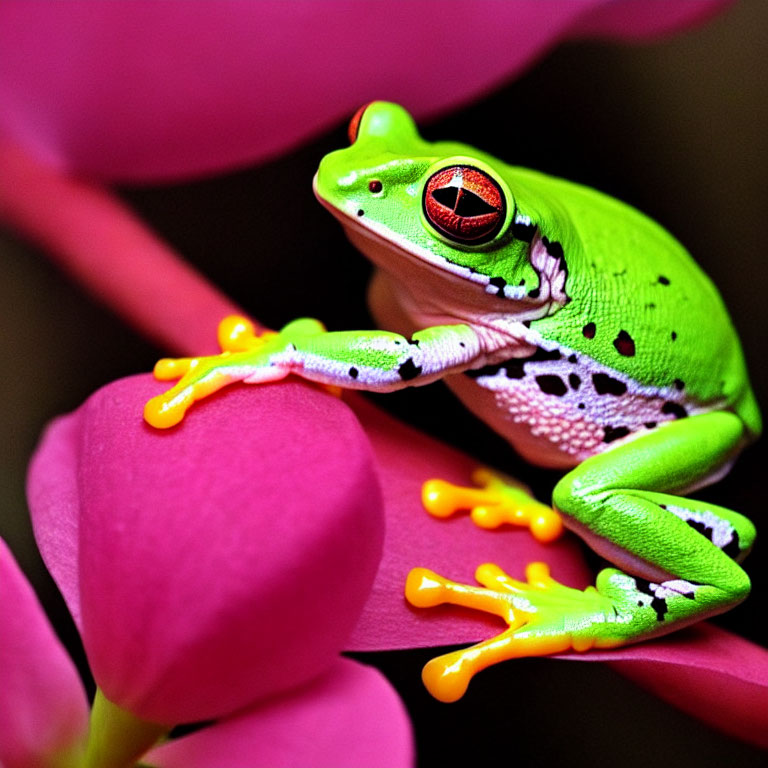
x: 228, y: 83
x: 712, y: 674
x: 454, y: 547
x: 223, y: 560
x: 348, y: 718
x: 43, y: 708
x: 53, y: 498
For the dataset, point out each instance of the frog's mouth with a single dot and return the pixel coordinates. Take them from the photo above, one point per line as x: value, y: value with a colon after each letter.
x: 380, y: 245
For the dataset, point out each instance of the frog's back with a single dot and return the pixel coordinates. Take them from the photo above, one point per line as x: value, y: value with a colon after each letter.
x: 639, y: 304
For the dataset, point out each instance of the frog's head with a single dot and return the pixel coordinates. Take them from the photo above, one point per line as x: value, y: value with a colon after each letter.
x: 428, y: 212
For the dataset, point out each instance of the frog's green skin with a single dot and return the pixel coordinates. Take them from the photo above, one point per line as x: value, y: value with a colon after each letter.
x: 583, y: 332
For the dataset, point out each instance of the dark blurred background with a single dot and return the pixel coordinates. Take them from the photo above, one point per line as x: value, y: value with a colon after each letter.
x: 677, y: 128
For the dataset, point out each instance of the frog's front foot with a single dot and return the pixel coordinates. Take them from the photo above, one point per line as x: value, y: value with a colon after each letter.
x: 544, y: 618
x: 245, y: 356
x: 498, y: 500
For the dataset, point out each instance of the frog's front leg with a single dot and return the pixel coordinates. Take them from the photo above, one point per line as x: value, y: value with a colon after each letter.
x: 369, y: 360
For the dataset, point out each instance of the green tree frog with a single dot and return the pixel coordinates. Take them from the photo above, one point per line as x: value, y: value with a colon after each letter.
x: 574, y: 326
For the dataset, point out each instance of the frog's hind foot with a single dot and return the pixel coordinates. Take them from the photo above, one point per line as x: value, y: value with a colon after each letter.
x: 544, y: 617
x: 496, y: 501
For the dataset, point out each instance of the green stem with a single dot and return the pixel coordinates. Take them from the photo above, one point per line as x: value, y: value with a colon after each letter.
x: 67, y: 757
x: 118, y: 738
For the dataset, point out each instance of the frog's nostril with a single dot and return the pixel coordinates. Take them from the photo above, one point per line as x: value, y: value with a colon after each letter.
x: 354, y: 123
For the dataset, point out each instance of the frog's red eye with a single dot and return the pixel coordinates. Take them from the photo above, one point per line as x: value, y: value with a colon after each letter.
x: 354, y: 123
x: 464, y: 204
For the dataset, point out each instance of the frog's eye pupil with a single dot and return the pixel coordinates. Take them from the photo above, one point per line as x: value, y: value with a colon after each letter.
x: 470, y: 204
x: 465, y: 204
x: 446, y: 196
x: 375, y: 186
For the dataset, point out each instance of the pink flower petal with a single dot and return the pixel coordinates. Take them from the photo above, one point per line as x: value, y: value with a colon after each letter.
x: 453, y: 547
x: 348, y: 718
x: 712, y: 674
x: 158, y: 90
x: 218, y: 562
x: 681, y: 668
x: 53, y: 498
x: 43, y: 708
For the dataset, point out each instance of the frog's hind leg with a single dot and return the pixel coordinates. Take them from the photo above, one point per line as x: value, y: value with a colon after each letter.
x: 729, y: 531
x: 682, y: 553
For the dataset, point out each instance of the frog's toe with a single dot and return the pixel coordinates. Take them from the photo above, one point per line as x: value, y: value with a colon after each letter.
x: 236, y: 333
x: 447, y: 677
x: 425, y: 588
x: 164, y: 412
x: 167, y: 410
x: 497, y: 501
x: 170, y: 368
x: 439, y: 498
x: 546, y: 525
x: 493, y: 577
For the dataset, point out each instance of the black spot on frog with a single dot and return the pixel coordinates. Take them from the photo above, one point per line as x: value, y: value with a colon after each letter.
x: 498, y: 283
x: 625, y: 344
x: 675, y: 409
x: 514, y: 367
x: 409, y: 370
x: 614, y: 433
x: 550, y: 384
x: 607, y: 385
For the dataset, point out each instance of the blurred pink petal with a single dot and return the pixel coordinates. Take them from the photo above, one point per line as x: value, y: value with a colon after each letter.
x: 91, y: 234
x: 147, y: 90
x: 638, y: 19
x: 219, y: 562
x: 43, y: 708
x: 348, y: 718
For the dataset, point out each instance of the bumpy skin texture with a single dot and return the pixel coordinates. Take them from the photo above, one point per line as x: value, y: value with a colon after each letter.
x: 574, y: 326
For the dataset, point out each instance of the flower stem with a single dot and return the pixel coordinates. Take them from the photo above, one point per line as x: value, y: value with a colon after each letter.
x: 117, y: 738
